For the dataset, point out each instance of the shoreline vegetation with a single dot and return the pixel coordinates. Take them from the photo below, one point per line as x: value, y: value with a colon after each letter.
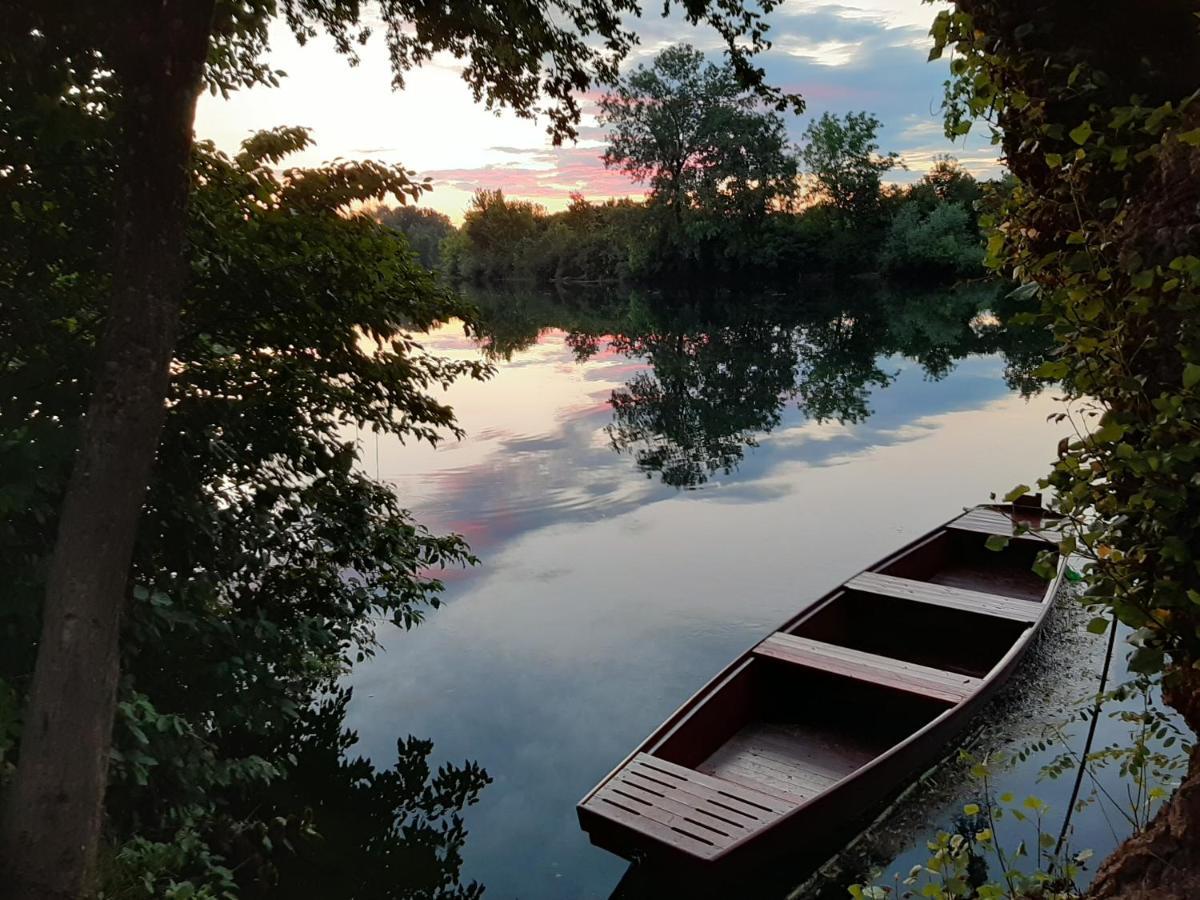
x: 727, y: 196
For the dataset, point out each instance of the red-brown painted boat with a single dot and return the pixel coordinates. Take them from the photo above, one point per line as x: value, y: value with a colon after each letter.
x: 815, y: 727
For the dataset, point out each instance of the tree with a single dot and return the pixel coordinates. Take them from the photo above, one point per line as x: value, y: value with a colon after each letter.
x: 943, y: 242
x: 424, y: 228
x: 842, y: 156
x: 497, y: 227
x: 1097, y: 113
x: 144, y: 65
x: 949, y: 182
x: 255, y: 498
x: 694, y: 132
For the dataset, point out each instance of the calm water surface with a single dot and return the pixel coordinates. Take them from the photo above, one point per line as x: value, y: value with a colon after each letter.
x: 643, y: 514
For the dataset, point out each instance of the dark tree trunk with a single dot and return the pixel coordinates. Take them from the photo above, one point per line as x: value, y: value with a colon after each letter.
x: 54, y: 809
x: 1162, y: 862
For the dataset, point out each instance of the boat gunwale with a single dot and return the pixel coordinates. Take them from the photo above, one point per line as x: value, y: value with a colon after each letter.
x: 682, y: 714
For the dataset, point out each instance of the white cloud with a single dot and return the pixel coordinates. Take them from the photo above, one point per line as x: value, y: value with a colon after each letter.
x: 823, y: 53
x: 889, y: 13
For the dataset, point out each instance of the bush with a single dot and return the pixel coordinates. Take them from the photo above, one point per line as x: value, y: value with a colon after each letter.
x: 938, y: 244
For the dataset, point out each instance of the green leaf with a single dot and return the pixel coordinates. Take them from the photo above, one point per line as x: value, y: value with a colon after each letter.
x: 1146, y: 660
x: 971, y: 809
x: 1081, y: 133
x: 1191, y: 375
x: 1098, y: 625
x: 1108, y: 433
x: 996, y: 542
x: 1055, y: 369
x: 1054, y: 160
x: 1191, y: 137
x: 1016, y: 493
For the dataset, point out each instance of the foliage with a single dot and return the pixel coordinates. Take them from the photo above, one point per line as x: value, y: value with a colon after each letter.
x: 624, y: 241
x: 842, y: 157
x: 1029, y: 855
x: 552, y: 52
x: 425, y: 229
x: 940, y: 241
x: 84, y: 79
x: 721, y: 184
x: 1149, y: 758
x: 981, y: 860
x: 1102, y: 228
x: 693, y: 133
x: 266, y: 555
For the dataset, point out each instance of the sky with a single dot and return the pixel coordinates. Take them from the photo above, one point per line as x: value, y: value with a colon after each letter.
x: 841, y: 55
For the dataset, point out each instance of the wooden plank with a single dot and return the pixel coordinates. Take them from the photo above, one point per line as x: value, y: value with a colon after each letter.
x: 695, y: 793
x: 723, y: 820
x: 909, y: 677
x: 805, y: 782
x: 717, y: 788
x: 742, y: 771
x: 665, y: 834
x: 884, y: 665
x: 945, y: 596
x: 795, y: 780
x: 689, y: 811
x: 1008, y: 581
x: 688, y: 822
x: 992, y: 521
x: 824, y: 752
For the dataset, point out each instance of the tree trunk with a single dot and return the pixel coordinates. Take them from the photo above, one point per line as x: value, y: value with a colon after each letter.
x: 1163, y: 861
x: 54, y: 810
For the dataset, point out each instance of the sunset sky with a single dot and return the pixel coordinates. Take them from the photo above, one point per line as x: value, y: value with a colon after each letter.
x: 841, y: 56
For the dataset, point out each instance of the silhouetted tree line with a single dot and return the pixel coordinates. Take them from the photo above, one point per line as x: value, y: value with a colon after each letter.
x: 727, y: 195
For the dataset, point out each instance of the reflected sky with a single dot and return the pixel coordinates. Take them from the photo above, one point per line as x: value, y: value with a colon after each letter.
x: 606, y: 597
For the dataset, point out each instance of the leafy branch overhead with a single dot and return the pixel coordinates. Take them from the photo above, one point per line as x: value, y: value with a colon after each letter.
x: 1096, y: 107
x: 531, y: 57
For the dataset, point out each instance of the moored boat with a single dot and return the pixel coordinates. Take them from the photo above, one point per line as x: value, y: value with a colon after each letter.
x: 817, y: 725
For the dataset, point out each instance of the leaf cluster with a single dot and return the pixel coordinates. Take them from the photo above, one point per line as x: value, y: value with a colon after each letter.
x: 1102, y: 227
x: 267, y: 556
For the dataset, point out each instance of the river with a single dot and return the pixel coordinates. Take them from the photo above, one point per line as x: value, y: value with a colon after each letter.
x: 650, y: 487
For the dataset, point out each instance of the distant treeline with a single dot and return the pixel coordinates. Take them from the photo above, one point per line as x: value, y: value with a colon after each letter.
x: 926, y: 231
x: 728, y: 195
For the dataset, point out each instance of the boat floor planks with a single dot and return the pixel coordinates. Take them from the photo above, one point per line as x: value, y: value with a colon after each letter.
x: 815, y: 727
x: 778, y: 758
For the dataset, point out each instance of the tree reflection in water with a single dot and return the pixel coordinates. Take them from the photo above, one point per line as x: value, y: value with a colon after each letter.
x: 722, y: 370
x: 354, y: 830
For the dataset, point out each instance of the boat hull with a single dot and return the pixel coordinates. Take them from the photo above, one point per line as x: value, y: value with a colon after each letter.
x: 803, y: 739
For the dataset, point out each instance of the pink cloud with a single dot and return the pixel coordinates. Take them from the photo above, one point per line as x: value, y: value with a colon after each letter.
x: 544, y: 174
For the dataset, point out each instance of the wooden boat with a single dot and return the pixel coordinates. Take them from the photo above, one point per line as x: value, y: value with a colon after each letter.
x: 809, y: 732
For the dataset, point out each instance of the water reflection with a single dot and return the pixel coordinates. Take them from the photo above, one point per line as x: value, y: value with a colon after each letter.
x: 719, y: 372
x: 346, y: 826
x: 819, y: 432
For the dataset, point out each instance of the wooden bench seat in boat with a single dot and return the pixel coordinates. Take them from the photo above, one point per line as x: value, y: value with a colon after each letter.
x: 946, y: 596
x: 992, y: 521
x: 683, y: 808
x: 951, y: 687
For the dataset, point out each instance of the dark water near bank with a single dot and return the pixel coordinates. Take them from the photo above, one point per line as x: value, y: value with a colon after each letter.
x: 650, y: 488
